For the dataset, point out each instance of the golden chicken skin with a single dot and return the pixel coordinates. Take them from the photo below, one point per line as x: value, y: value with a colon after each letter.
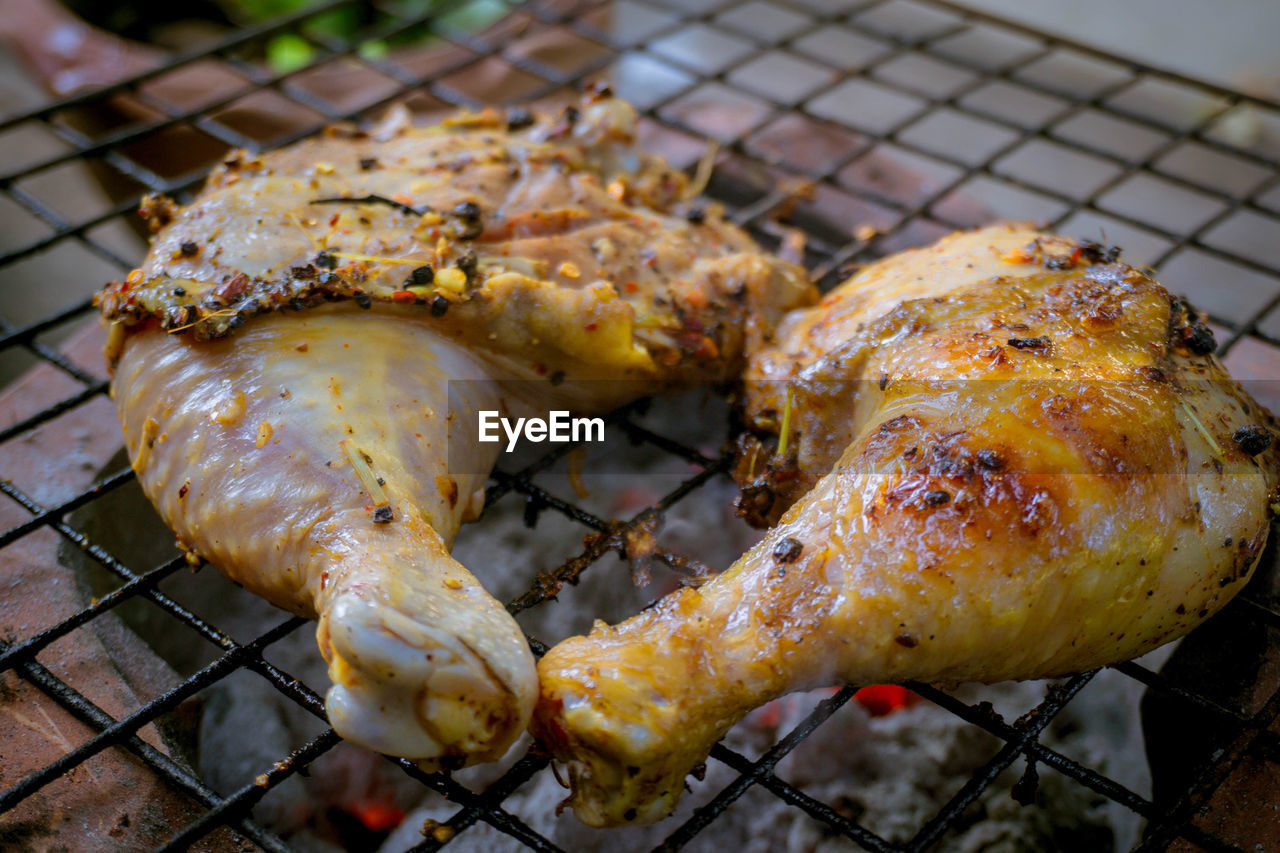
x: 1007, y: 455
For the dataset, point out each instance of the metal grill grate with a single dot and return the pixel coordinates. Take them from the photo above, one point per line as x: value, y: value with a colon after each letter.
x: 1184, y: 174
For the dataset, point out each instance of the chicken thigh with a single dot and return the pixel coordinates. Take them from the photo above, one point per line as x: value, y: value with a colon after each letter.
x: 300, y: 360
x: 1006, y: 456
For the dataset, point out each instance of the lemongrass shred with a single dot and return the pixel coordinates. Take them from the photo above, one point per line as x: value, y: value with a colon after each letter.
x: 1213, y: 444
x: 702, y: 176
x: 225, y: 312
x: 314, y: 242
x: 786, y: 422
x: 361, y: 466
x: 654, y: 321
x: 379, y: 260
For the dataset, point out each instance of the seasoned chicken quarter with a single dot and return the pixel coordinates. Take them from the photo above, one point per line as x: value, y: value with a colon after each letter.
x: 294, y: 357
x: 1003, y: 456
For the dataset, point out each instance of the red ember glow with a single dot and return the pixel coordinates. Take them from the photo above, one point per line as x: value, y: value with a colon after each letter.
x: 377, y: 817
x: 880, y: 700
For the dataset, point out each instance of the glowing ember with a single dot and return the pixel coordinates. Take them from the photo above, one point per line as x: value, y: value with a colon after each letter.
x: 377, y: 817
x: 880, y: 700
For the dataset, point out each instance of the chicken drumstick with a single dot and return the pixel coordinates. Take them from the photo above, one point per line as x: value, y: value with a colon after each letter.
x: 1017, y: 458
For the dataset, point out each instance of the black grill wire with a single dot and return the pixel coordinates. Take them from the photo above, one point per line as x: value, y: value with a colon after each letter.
x: 754, y: 210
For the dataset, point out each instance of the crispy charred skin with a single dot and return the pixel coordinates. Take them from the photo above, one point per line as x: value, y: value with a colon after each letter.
x: 284, y: 359
x: 1020, y: 460
x: 552, y: 242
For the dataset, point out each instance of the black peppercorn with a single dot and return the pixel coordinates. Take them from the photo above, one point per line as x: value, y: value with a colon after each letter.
x: 519, y: 118
x: 468, y: 224
x: 788, y: 550
x: 990, y: 460
x: 936, y: 497
x: 1096, y: 253
x: 1199, y: 339
x: 1252, y: 440
x: 467, y: 263
x: 420, y: 275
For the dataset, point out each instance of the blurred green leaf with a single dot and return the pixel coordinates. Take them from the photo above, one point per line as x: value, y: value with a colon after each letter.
x: 476, y: 15
x: 338, y: 23
x: 260, y: 10
x: 288, y: 52
x: 374, y: 50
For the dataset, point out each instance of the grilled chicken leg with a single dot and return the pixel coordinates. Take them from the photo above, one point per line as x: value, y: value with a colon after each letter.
x: 1018, y: 459
x: 253, y: 448
x: 301, y: 358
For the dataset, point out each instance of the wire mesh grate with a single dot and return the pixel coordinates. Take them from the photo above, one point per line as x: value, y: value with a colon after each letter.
x: 806, y: 98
